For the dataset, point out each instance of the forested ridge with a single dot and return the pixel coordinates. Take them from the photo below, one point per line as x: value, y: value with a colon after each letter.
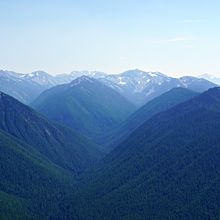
x: 167, y: 168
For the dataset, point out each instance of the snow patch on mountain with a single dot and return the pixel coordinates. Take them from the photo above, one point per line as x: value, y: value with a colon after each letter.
x: 136, y: 85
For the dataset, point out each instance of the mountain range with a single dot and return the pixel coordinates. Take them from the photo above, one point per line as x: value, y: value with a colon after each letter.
x: 136, y: 85
x: 137, y: 145
x: 153, y: 107
x: 19, y: 87
x: 85, y: 105
x: 140, y: 87
x: 40, y: 162
x: 168, y: 168
x: 56, y: 142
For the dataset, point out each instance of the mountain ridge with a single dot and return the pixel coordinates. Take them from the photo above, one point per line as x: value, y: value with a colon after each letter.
x: 159, y: 104
x: 136, y: 85
x: 166, y: 169
x: 88, y: 106
x: 57, y: 142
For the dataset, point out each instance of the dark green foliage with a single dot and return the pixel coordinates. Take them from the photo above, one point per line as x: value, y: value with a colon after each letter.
x: 166, y: 169
x: 159, y: 104
x: 31, y: 187
x: 13, y: 207
x: 85, y: 105
x: 58, y: 143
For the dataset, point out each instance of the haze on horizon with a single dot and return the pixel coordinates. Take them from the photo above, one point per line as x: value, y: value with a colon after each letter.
x: 173, y: 37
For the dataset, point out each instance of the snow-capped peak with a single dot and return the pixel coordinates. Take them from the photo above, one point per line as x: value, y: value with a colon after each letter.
x: 41, y: 78
x: 39, y: 73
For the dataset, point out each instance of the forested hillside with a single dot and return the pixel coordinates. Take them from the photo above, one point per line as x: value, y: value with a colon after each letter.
x: 166, y: 169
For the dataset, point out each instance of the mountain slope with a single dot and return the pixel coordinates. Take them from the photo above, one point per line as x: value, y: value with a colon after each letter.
x: 59, y: 144
x: 85, y: 105
x: 42, y: 78
x: 136, y: 85
x: 140, y: 87
x: 16, y: 85
x: 30, y: 185
x: 196, y: 84
x: 69, y: 77
x: 211, y: 78
x: 159, y: 104
x: 166, y: 169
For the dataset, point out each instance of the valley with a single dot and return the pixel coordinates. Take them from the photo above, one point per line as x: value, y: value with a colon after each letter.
x: 87, y: 149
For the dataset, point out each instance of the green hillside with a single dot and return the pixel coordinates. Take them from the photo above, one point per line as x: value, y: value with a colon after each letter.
x: 86, y: 105
x: 159, y: 104
x: 58, y: 143
x: 166, y: 169
x: 31, y: 186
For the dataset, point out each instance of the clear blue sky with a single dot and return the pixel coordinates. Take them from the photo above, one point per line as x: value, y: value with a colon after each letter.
x: 177, y: 37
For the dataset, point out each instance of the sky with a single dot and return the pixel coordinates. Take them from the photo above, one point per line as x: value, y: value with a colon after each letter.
x: 175, y: 37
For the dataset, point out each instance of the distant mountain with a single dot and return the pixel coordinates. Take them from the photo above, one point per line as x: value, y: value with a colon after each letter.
x: 58, y: 144
x: 140, y: 87
x: 41, y: 78
x: 211, y: 78
x: 156, y: 105
x: 168, y: 168
x: 196, y: 84
x: 85, y: 105
x: 136, y: 85
x: 26, y: 87
x: 20, y: 87
x: 69, y: 77
x: 31, y: 187
x: 48, y: 80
